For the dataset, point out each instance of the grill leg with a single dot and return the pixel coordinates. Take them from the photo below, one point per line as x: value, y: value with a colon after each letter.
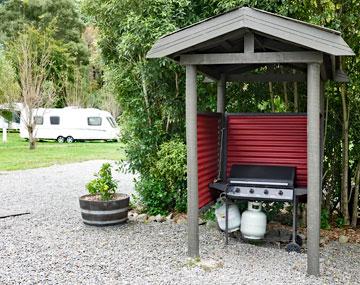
x: 293, y: 246
x: 294, y: 229
x: 226, y: 222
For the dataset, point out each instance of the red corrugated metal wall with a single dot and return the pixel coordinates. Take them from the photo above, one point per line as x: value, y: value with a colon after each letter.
x: 268, y: 139
x: 208, y: 130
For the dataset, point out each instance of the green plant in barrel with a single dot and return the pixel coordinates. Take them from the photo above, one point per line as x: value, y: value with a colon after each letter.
x: 104, y: 185
x: 104, y: 206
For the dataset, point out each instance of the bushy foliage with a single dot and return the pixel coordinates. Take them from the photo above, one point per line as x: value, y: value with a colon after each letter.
x: 163, y: 189
x: 63, y: 14
x: 171, y: 168
x: 151, y: 92
x: 153, y: 195
x: 324, y: 219
x: 64, y: 20
x: 9, y: 87
x: 104, y: 185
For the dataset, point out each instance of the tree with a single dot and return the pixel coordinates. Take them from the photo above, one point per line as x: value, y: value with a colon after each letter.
x: 9, y: 87
x: 145, y: 89
x: 151, y: 93
x: 67, y: 24
x: 31, y: 54
x: 63, y: 15
x: 107, y: 95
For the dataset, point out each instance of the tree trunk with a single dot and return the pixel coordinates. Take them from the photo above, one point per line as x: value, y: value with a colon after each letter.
x: 286, y: 100
x: 344, y: 202
x: 32, y: 141
x: 32, y: 144
x: 176, y: 85
x: 296, y: 96
x: 356, y: 197
x: 145, y: 93
x: 286, y: 96
x: 271, y: 97
x: 330, y: 186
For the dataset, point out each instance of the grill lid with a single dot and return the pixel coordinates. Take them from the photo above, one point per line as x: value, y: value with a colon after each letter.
x: 263, y: 175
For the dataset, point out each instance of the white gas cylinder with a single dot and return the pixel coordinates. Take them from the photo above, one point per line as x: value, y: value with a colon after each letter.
x: 253, y: 222
x: 233, y: 217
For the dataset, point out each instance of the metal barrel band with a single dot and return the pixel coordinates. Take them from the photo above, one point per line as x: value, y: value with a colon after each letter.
x: 102, y: 212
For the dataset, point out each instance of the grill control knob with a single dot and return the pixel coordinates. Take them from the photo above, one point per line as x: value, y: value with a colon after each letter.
x: 251, y: 191
x: 237, y: 189
x: 266, y: 191
x: 281, y: 193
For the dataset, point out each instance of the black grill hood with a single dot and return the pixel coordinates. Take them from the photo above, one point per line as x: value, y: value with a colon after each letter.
x: 266, y: 175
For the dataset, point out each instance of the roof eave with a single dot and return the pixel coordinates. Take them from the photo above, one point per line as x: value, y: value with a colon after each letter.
x: 291, y: 30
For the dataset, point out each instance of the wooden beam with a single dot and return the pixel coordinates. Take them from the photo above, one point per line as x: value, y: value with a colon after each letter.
x: 238, y: 68
x: 252, y: 58
x: 341, y: 76
x: 226, y: 45
x: 338, y: 75
x: 209, y: 72
x: 210, y: 44
x: 333, y: 65
x: 323, y: 74
x: 267, y: 77
x: 297, y: 66
x: 208, y: 79
x: 249, y: 45
x: 277, y: 45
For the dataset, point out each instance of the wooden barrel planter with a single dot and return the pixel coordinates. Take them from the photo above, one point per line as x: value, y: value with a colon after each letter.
x: 96, y: 212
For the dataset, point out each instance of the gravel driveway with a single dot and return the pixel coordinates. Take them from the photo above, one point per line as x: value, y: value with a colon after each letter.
x: 53, y: 246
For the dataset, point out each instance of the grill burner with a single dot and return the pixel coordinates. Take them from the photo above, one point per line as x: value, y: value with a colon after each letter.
x: 255, y: 182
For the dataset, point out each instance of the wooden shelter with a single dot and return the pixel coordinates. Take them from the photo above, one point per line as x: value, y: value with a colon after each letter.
x: 226, y: 48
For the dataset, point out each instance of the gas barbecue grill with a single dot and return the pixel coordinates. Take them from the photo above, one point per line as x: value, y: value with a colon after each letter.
x: 263, y: 183
x: 255, y: 182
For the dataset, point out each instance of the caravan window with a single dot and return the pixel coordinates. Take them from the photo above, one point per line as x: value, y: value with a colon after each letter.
x: 16, y: 117
x: 38, y: 120
x: 94, y: 121
x: 55, y: 120
x: 111, y: 122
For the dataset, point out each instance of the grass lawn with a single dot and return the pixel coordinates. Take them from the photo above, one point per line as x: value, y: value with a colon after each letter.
x: 15, y: 154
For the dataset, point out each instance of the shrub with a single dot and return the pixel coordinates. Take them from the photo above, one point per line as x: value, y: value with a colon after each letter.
x: 171, y: 168
x: 153, y: 195
x: 325, y: 219
x: 104, y: 185
x: 340, y: 222
x: 163, y: 189
x: 209, y: 214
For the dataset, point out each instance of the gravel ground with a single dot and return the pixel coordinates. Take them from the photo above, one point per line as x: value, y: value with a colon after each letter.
x: 53, y: 246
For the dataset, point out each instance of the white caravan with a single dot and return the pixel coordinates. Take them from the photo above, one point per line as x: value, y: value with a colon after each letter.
x: 70, y: 124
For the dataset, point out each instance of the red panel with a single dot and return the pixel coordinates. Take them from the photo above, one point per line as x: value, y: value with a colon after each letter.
x: 268, y: 139
x: 208, y: 154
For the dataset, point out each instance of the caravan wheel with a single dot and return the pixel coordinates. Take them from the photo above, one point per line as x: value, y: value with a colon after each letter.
x: 60, y: 139
x: 70, y: 139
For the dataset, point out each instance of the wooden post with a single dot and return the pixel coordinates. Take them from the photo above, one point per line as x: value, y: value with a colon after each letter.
x: 313, y: 168
x: 192, y: 162
x: 322, y: 130
x: 220, y: 108
x: 221, y: 87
